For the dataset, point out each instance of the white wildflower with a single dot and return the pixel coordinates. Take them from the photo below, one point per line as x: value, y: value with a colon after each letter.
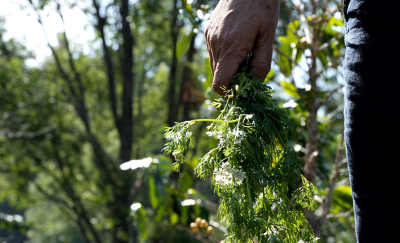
x: 302, y: 241
x: 176, y: 154
x: 226, y: 175
x: 177, y: 138
x: 220, y: 136
x: 239, y: 175
x: 239, y: 135
x: 212, y: 134
x: 272, y: 231
x: 248, y: 117
x: 222, y: 178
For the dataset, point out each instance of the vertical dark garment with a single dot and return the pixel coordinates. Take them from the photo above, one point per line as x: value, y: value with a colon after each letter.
x: 372, y: 124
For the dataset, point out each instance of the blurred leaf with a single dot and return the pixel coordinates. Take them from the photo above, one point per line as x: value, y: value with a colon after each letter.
x: 283, y: 61
x: 182, y: 45
x: 164, y: 164
x: 174, y: 218
x: 185, y: 181
x: 153, y: 192
x: 184, y: 214
x: 333, y: 22
x: 342, y: 197
x: 291, y: 30
x: 160, y: 212
x: 269, y: 76
x: 322, y: 57
x: 187, y: 6
x: 209, y: 75
x: 290, y: 89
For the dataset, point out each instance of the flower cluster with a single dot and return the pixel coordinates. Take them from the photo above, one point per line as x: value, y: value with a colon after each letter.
x: 239, y: 135
x: 226, y: 175
x: 222, y: 137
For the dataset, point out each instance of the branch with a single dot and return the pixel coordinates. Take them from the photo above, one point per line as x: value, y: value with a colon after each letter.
x: 78, y: 206
x: 292, y: 60
x: 49, y: 196
x: 82, y: 229
x: 63, y: 72
x: 289, y: 11
x: 324, y: 178
x: 326, y: 44
x: 286, y: 74
x: 136, y: 186
x: 62, y: 202
x: 332, y: 181
x: 336, y: 111
x: 285, y: 25
x: 174, y: 30
x: 77, y: 76
x: 340, y: 215
x: 101, y: 22
x: 126, y: 136
x: 328, y: 95
x: 31, y: 135
x: 79, y: 106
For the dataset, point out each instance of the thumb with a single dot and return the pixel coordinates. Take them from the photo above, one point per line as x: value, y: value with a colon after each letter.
x: 262, y: 51
x: 226, y: 67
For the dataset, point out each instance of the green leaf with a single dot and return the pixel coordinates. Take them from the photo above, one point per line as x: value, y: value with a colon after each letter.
x: 184, y: 215
x: 209, y: 75
x: 164, y: 164
x: 290, y: 89
x: 269, y: 76
x: 174, y: 218
x: 187, y: 6
x: 323, y: 58
x: 185, y: 181
x: 292, y: 28
x: 160, y: 212
x: 342, y: 197
x: 286, y: 48
x: 182, y: 46
x: 153, y: 192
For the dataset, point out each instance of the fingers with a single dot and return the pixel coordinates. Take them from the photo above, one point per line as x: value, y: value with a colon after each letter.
x: 262, y: 51
x: 227, y: 50
x: 225, y: 63
x: 226, y: 67
x: 235, y: 29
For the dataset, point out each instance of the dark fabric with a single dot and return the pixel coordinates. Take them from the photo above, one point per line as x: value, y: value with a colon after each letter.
x: 372, y: 124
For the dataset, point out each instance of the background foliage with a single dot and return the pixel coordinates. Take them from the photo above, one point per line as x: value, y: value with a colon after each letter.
x: 68, y: 125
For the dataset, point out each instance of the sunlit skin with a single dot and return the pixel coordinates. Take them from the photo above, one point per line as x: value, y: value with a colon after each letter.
x: 236, y: 28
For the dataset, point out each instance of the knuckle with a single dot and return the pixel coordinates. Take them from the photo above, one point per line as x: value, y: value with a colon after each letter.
x: 207, y: 30
x: 213, y: 39
x: 216, y: 87
x: 262, y: 70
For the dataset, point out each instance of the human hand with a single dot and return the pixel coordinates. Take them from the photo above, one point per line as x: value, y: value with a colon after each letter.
x: 236, y: 28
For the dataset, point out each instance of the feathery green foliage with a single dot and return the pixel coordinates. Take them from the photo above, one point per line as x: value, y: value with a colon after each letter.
x: 255, y: 171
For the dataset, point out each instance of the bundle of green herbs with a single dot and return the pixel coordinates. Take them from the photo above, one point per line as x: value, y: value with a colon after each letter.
x: 254, y: 169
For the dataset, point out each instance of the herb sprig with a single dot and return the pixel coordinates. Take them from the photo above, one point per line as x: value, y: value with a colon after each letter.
x: 254, y: 168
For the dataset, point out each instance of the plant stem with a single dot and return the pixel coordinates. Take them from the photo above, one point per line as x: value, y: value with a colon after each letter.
x: 249, y: 195
x: 213, y: 120
x: 276, y: 130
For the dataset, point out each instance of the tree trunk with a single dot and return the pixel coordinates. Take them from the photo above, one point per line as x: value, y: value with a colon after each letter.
x: 186, y: 77
x: 126, y: 137
x: 312, y: 140
x: 172, y: 109
x: 121, y: 208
